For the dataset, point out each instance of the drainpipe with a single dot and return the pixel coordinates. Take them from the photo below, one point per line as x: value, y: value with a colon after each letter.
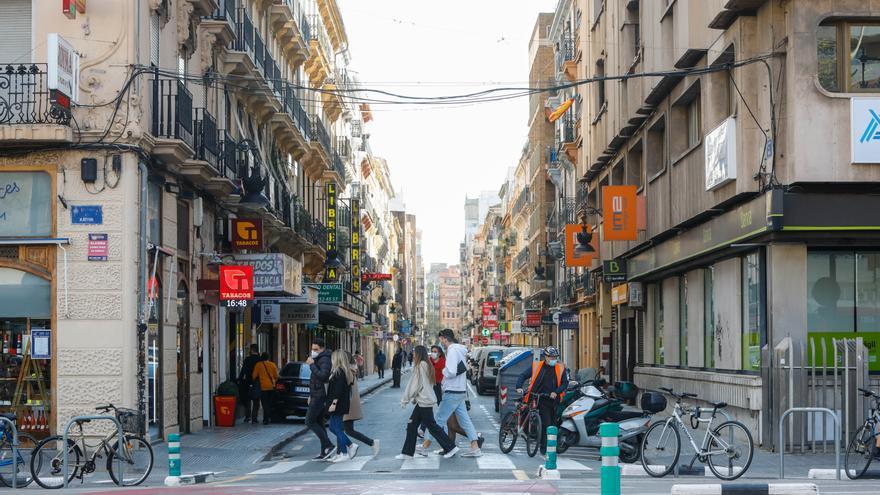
x: 141, y: 292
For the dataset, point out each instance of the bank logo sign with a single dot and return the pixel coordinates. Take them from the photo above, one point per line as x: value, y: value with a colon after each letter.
x: 865, y: 130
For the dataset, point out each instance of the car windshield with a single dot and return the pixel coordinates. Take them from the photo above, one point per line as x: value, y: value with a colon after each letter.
x: 297, y: 370
x: 493, y: 357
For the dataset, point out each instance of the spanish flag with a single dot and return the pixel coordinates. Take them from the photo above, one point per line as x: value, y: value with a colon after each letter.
x: 560, y: 111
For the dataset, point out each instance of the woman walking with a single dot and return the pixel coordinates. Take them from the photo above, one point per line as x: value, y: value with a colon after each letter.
x: 265, y: 375
x: 420, y: 391
x: 438, y: 361
x: 355, y: 413
x: 339, y: 400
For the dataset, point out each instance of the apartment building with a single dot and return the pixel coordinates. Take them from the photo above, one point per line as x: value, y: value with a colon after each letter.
x: 450, y: 298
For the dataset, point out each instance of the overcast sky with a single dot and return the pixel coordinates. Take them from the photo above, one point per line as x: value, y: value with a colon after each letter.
x: 439, y: 155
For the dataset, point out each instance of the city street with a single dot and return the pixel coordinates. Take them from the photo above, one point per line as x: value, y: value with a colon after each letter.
x: 290, y: 469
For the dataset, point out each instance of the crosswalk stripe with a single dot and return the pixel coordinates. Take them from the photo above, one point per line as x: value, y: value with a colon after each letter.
x: 355, y: 464
x: 495, y: 461
x: 432, y: 462
x: 281, y: 467
x: 570, y: 465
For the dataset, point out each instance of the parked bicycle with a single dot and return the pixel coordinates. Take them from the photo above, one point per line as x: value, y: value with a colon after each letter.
x: 524, y: 422
x: 17, y: 461
x: 863, y: 448
x: 135, y: 452
x: 727, y: 448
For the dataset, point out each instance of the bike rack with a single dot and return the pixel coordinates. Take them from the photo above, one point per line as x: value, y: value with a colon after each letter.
x: 120, y: 439
x: 14, y: 450
x: 824, y: 411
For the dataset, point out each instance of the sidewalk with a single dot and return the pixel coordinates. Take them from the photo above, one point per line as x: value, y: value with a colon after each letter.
x: 212, y: 449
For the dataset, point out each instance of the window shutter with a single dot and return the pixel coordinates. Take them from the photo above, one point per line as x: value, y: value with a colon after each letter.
x: 15, y: 37
x: 154, y: 39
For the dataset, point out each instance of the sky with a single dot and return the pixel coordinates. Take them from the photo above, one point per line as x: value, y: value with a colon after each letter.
x: 437, y: 155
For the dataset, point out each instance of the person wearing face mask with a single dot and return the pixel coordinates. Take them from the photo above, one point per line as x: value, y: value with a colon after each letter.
x: 320, y: 364
x: 547, y: 376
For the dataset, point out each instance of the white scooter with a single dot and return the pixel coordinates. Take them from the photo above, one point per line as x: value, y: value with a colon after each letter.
x: 579, y: 424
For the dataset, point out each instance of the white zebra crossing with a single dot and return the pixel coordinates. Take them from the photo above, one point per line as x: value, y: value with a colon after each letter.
x: 280, y: 468
x: 355, y: 464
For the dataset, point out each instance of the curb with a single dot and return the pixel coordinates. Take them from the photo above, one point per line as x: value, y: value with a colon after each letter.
x: 831, y: 474
x: 747, y: 489
x: 298, y: 433
x: 683, y: 471
x: 195, y: 479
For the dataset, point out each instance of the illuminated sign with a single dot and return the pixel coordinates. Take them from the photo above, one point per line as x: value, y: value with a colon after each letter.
x: 375, y: 277
x: 619, y: 212
x: 330, y: 247
x: 355, y: 246
x: 62, y: 71
x: 236, y: 283
x: 247, y: 233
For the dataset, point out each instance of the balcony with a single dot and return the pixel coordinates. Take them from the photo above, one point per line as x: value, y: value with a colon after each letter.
x: 249, y: 59
x: 333, y: 95
x: 566, y: 57
x: 337, y: 168
x: 229, y: 167
x: 310, y: 229
x: 291, y: 125
x: 26, y: 112
x: 172, y: 124
x: 221, y: 23
x: 522, y: 202
x: 566, y: 135
x: 320, y: 147
x: 203, y: 7
x: 522, y: 259
x: 205, y: 162
x: 291, y: 29
x: 319, y: 65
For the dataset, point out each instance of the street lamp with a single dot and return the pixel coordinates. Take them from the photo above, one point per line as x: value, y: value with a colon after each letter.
x: 585, y: 237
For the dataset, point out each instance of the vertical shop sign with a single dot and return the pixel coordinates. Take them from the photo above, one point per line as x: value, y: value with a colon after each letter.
x: 356, y: 246
x: 619, y: 212
x: 330, y: 248
x: 490, y: 314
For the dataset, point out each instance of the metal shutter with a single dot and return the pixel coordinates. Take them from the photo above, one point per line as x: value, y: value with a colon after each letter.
x: 154, y: 39
x: 15, y: 31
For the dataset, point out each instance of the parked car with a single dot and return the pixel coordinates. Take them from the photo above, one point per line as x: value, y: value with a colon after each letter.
x: 488, y: 368
x: 292, y: 390
x: 477, y: 357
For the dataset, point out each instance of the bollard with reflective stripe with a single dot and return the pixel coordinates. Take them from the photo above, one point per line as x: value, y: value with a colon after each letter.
x: 610, y: 452
x: 173, y: 478
x: 552, y: 432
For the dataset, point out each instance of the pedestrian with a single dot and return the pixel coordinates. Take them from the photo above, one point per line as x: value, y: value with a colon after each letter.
x: 409, y: 358
x: 547, y: 376
x: 396, y: 364
x: 438, y: 361
x: 338, y: 402
x: 265, y: 375
x: 380, y: 363
x: 355, y: 412
x: 359, y: 361
x: 455, y: 399
x: 420, y: 391
x: 320, y: 365
x: 248, y: 390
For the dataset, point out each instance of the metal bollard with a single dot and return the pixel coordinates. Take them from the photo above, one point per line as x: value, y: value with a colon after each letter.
x: 173, y: 478
x: 610, y: 452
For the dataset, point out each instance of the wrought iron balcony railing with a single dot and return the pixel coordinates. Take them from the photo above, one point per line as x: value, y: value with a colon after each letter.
x: 205, y: 138
x: 522, y: 259
x: 244, y: 32
x: 231, y: 163
x: 172, y: 110
x: 337, y: 164
x: 565, y: 132
x: 319, y: 134
x: 226, y: 11
x: 297, y: 113
x: 521, y: 201
x: 312, y: 229
x: 24, y: 96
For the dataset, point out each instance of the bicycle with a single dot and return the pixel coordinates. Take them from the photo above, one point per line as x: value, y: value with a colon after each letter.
x: 9, y: 460
x: 525, y: 421
x: 136, y: 452
x: 862, y: 449
x: 663, y: 437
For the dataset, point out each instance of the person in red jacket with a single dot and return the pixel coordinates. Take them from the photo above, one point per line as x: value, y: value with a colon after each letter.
x: 438, y: 360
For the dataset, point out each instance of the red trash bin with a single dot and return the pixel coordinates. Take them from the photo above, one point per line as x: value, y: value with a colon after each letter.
x: 224, y: 410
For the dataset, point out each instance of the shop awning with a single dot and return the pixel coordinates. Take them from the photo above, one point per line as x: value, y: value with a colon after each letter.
x: 338, y: 316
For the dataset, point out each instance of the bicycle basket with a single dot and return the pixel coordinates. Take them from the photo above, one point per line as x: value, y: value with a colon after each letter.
x: 132, y: 421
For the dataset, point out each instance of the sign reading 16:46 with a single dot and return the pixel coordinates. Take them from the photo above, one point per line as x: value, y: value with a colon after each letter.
x: 865, y: 130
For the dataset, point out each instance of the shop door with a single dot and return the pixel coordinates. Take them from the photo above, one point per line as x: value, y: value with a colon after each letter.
x: 628, y: 352
x: 183, y: 355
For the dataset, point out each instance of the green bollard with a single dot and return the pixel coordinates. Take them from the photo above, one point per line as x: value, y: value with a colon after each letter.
x: 173, y: 478
x: 552, y: 432
x: 610, y: 452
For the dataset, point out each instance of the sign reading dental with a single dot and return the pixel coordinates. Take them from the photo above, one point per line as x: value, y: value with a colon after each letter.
x: 865, y: 130
x: 720, y: 150
x: 63, y: 71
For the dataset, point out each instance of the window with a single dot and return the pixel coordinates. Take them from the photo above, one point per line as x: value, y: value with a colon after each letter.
x: 709, y: 316
x: 618, y: 173
x: 183, y: 229
x: 686, y: 119
x: 154, y: 213
x: 752, y: 314
x: 634, y: 165
x: 658, y: 324
x: 600, y: 87
x: 843, y: 289
x: 26, y: 202
x: 598, y: 7
x: 848, y: 55
x: 694, y: 127
x: 655, y: 148
x: 682, y: 321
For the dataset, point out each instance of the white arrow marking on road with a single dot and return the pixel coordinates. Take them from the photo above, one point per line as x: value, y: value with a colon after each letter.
x: 281, y: 467
x: 495, y: 461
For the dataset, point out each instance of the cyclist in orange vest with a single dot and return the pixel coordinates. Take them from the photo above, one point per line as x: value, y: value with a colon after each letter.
x: 546, y: 376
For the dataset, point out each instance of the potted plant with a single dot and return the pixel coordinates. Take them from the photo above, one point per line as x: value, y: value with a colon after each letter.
x: 224, y: 403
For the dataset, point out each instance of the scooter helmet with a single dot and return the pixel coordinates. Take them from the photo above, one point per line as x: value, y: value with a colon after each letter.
x: 551, y: 351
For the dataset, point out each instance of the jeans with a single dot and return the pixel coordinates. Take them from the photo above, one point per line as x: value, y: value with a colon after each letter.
x: 352, y: 433
x: 424, y: 416
x: 338, y: 429
x: 453, y: 403
x: 315, y: 422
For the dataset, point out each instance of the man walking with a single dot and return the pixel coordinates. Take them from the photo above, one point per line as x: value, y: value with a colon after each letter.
x: 454, y: 391
x: 320, y: 364
x: 249, y: 390
x: 547, y: 376
x: 380, y: 363
x: 396, y: 365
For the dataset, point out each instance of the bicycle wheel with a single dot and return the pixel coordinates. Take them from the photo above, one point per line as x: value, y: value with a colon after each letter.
x: 507, y: 433
x: 47, y: 462
x: 661, y: 448
x: 860, y: 452
x: 26, y: 445
x: 730, y: 450
x: 533, y: 433
x: 137, y: 462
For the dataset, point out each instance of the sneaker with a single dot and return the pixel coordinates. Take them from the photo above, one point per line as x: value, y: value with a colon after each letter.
x: 328, y: 454
x: 440, y: 451
x: 403, y: 457
x: 451, y: 453
x: 376, y: 447
x: 480, y: 440
x: 339, y: 458
x: 353, y: 450
x: 473, y: 453
x: 418, y: 455
x: 420, y: 449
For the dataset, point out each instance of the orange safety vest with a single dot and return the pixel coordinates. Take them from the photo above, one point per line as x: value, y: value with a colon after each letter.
x: 536, y: 369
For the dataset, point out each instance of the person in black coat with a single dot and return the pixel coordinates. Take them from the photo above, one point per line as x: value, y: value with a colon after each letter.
x: 250, y: 391
x: 396, y: 365
x: 380, y: 363
x: 319, y: 364
x: 338, y: 404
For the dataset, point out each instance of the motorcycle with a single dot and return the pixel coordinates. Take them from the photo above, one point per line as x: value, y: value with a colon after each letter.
x: 579, y: 423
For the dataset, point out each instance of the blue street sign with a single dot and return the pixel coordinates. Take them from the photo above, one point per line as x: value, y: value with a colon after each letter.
x: 87, y: 214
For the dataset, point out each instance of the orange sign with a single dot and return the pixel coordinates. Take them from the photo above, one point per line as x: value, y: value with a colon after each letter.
x: 247, y: 233
x: 583, y: 256
x: 619, y: 213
